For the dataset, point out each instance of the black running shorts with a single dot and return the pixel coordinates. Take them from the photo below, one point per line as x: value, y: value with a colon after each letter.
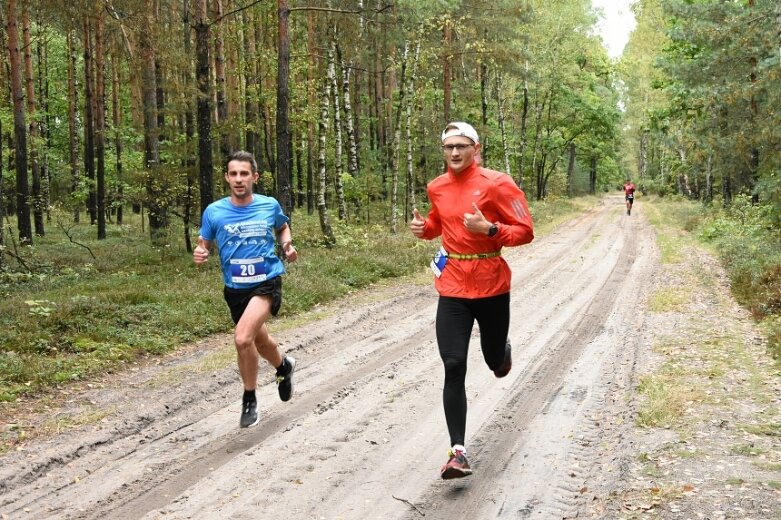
x: 238, y: 299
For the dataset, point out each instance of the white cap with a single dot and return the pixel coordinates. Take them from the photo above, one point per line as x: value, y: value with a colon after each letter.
x: 460, y: 129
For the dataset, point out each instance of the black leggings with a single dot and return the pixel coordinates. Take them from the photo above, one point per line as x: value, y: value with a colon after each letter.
x: 455, y: 318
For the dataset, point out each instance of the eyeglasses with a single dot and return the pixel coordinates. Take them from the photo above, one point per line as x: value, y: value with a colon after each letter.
x: 460, y: 147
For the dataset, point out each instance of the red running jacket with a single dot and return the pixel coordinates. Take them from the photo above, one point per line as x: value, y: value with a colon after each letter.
x: 502, y: 202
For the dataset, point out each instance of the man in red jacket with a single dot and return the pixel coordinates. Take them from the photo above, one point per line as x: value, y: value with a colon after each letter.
x: 629, y: 195
x: 476, y: 211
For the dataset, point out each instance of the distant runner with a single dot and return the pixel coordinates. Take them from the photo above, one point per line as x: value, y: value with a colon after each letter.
x: 629, y: 195
x: 244, y: 226
x: 476, y: 211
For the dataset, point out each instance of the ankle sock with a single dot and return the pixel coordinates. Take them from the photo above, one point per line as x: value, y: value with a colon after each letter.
x: 249, y: 395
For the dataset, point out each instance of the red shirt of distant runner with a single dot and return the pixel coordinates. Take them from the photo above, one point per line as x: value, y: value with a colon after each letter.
x: 629, y: 188
x: 502, y: 202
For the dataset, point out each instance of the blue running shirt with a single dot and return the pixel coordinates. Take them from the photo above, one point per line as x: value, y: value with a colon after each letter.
x: 245, y: 237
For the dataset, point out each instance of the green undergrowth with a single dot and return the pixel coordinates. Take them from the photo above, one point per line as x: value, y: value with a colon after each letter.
x: 67, y: 316
x: 745, y: 238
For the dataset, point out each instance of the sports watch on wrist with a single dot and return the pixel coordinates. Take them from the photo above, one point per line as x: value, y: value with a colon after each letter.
x: 494, y: 229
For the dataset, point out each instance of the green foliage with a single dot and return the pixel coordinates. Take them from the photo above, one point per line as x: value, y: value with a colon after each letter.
x: 745, y: 238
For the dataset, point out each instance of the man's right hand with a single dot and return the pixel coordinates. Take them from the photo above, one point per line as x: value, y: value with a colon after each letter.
x: 417, y: 224
x: 200, y: 255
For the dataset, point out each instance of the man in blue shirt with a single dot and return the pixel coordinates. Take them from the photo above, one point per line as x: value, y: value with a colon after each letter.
x: 245, y: 227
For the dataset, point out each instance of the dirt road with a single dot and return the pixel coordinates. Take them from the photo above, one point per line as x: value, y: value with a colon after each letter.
x: 364, y: 435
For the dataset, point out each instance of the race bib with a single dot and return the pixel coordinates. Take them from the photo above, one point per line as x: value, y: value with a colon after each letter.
x: 630, y: 196
x: 250, y: 270
x: 439, y: 262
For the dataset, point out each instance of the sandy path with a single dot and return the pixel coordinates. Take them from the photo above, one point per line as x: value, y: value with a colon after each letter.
x: 364, y: 435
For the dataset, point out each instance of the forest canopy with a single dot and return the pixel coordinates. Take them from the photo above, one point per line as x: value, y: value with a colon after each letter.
x: 119, y: 105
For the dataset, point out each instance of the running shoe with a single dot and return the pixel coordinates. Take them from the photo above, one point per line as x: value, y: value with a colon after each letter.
x: 507, y: 365
x: 285, y: 380
x: 249, y: 414
x: 457, y: 466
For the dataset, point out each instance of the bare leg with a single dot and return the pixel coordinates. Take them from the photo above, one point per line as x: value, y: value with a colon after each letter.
x: 252, y: 338
x: 267, y: 347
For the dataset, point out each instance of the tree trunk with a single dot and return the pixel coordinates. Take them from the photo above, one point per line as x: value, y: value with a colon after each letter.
x: 342, y: 207
x: 310, y: 127
x: 502, y: 125
x: 44, y: 124
x: 157, y: 210
x: 592, y: 178
x: 570, y: 168
x: 447, y: 64
x: 219, y: 76
x: 394, y: 153
x: 205, y: 160
x: 283, y: 125
x: 100, y: 125
x: 24, y: 225
x: 33, y: 124
x: 352, y: 147
x: 410, y: 172
x: 753, y: 173
x: 299, y: 170
x: 642, y: 167
x: 709, y: 180
x: 251, y: 112
x: 89, y: 123
x: 322, y: 130
x: 2, y: 197
x: 524, y: 114
x: 72, y: 137
x: 484, y: 149
x: 189, y: 129
x: 116, y: 113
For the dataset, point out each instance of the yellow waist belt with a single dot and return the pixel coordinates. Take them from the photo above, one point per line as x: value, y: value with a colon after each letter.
x: 474, y: 256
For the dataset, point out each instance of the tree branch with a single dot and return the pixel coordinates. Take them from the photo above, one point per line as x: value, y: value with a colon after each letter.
x: 67, y: 234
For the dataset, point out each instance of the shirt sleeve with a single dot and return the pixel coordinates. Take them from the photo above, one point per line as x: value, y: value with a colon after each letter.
x: 433, y: 226
x: 280, y: 219
x: 206, y: 231
x: 515, y: 221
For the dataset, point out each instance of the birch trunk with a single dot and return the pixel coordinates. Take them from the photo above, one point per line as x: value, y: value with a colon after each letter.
x: 502, y: 125
x: 312, y: 98
x: 73, y: 144
x: 322, y: 130
x: 410, y: 98
x: 524, y: 115
x: 352, y: 147
x: 339, y: 186
x: 394, y: 152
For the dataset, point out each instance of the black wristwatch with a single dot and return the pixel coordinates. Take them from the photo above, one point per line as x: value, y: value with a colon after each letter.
x: 493, y: 230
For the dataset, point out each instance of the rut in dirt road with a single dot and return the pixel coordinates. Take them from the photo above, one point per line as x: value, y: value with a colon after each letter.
x: 364, y: 435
